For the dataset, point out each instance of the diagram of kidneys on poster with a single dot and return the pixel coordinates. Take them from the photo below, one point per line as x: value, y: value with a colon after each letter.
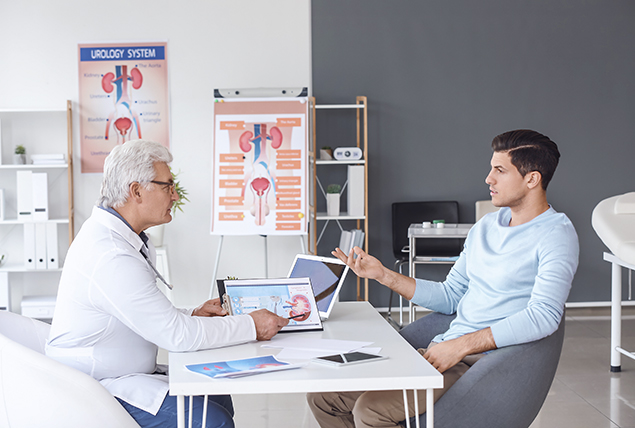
x: 123, y: 95
x: 260, y: 167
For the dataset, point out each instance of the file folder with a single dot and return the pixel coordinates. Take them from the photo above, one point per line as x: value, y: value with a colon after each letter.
x: 51, y: 246
x: 40, y: 196
x: 29, y: 245
x: 40, y: 245
x: 24, y: 186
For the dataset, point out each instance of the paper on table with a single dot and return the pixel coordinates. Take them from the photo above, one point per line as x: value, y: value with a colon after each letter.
x: 328, y: 345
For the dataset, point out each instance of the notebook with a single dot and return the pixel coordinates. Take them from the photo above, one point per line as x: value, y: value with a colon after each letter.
x: 290, y: 298
x: 327, y: 276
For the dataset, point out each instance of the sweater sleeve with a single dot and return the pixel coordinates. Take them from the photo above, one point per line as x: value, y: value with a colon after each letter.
x: 558, y: 261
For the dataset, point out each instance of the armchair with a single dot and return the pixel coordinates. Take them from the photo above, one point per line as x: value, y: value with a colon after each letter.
x: 37, y: 391
x: 505, y: 389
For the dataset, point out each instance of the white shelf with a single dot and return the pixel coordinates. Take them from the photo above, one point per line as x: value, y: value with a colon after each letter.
x: 31, y: 110
x: 340, y: 106
x: 31, y: 166
x: 342, y: 216
x: 53, y: 220
x: 19, y: 267
x: 340, y: 162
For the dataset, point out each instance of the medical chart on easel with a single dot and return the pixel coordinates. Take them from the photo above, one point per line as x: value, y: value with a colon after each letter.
x: 259, y: 167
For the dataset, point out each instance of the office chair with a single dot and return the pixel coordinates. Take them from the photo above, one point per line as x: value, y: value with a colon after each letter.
x: 484, y: 207
x: 406, y: 213
x: 37, y: 391
x: 504, y: 389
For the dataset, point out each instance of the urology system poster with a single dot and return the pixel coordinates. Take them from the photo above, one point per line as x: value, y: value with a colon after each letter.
x: 123, y: 95
x: 259, y: 167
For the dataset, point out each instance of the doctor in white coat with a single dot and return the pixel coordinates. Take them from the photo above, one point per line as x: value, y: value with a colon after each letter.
x: 110, y: 317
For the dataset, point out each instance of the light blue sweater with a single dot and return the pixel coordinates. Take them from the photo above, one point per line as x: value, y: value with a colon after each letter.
x: 512, y: 279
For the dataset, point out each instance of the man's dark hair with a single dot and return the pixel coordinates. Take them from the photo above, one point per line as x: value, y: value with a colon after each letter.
x: 529, y: 151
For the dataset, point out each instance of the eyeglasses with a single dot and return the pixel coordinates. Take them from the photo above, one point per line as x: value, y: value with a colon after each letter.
x: 169, y: 187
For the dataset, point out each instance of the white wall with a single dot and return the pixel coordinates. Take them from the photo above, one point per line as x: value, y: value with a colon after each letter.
x: 211, y: 44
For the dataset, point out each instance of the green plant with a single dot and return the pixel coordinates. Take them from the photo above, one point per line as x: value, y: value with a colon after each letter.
x: 20, y: 150
x: 327, y: 148
x: 180, y: 190
x: 333, y: 188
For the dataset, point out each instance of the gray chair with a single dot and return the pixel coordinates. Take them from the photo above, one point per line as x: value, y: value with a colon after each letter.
x: 505, y: 389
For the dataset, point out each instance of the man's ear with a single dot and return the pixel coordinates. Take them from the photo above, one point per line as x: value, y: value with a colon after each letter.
x: 533, y: 179
x: 135, y: 192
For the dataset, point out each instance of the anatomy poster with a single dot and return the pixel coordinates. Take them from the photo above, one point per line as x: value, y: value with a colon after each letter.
x: 259, y: 167
x: 123, y: 95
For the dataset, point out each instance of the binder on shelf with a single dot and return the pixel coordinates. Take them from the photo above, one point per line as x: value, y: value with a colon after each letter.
x: 356, y: 190
x: 24, y: 187
x: 5, y: 297
x: 2, y: 205
x: 40, y: 245
x: 52, y: 261
x: 40, y: 196
x: 346, y: 240
x: 29, y: 245
x: 358, y: 238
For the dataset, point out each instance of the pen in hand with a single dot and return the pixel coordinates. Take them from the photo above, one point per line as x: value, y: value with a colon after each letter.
x: 296, y: 316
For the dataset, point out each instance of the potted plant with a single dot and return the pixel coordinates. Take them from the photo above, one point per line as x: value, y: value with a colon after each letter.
x: 19, y: 156
x: 333, y: 199
x: 155, y: 233
x: 326, y: 153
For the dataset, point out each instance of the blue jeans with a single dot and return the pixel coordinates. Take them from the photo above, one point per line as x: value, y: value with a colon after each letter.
x: 220, y: 412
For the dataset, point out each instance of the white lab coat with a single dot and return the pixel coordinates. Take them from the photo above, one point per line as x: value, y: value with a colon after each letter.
x: 110, y: 316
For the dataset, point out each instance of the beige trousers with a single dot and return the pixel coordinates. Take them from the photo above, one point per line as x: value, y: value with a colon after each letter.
x: 375, y: 409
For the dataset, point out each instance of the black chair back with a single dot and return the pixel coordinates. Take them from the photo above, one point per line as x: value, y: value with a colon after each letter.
x: 406, y: 213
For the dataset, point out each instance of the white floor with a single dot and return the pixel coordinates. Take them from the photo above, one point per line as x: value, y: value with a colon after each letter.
x: 584, y: 394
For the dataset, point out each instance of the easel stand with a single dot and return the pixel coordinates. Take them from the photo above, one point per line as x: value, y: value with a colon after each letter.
x: 212, y: 290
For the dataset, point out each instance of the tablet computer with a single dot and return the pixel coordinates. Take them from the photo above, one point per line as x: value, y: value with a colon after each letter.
x: 327, y: 276
x: 291, y: 298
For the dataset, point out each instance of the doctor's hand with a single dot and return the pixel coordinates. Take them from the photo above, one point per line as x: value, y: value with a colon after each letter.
x: 211, y: 308
x: 364, y: 266
x: 267, y: 323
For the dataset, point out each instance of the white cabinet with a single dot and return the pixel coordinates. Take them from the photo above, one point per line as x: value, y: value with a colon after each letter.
x: 41, y: 132
x: 355, y: 183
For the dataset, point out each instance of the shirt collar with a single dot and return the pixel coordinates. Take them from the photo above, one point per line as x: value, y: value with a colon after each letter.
x: 112, y: 211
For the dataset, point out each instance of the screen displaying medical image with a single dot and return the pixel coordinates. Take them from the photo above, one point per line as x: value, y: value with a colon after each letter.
x: 293, y: 300
x: 324, y: 276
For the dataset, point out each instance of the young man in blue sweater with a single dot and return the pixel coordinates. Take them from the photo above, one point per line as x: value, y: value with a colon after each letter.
x: 509, y: 285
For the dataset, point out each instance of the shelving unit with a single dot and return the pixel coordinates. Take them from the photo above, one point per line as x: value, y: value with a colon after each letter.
x: 315, y: 235
x: 41, y: 131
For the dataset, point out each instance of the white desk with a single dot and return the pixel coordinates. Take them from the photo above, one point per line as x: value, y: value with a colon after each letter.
x: 616, y: 311
x: 404, y: 369
x: 417, y: 231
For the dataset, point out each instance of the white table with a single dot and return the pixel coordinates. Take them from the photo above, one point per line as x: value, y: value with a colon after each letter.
x: 404, y: 369
x: 417, y: 231
x: 616, y: 311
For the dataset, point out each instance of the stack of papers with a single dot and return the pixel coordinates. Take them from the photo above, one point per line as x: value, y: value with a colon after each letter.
x: 48, y: 159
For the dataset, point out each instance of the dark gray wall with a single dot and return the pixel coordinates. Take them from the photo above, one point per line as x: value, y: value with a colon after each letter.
x: 444, y: 77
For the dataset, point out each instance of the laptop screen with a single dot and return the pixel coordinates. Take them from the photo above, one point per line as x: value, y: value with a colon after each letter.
x: 327, y: 276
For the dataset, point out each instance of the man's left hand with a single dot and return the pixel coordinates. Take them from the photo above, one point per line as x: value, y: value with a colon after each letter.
x: 447, y: 354
x: 211, y: 308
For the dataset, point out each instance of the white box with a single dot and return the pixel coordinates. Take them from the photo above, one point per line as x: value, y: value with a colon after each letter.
x: 40, y: 245
x: 40, y: 196
x: 41, y: 307
x: 52, y: 255
x: 355, y: 188
x: 24, y: 185
x: 29, y: 245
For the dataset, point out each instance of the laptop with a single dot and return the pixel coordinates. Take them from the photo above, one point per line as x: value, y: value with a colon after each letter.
x: 327, y: 276
x: 290, y: 298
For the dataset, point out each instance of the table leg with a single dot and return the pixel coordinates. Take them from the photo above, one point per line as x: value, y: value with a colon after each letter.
x: 180, y: 411
x: 616, y: 316
x: 429, y: 408
x: 405, y: 406
x: 412, y: 252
